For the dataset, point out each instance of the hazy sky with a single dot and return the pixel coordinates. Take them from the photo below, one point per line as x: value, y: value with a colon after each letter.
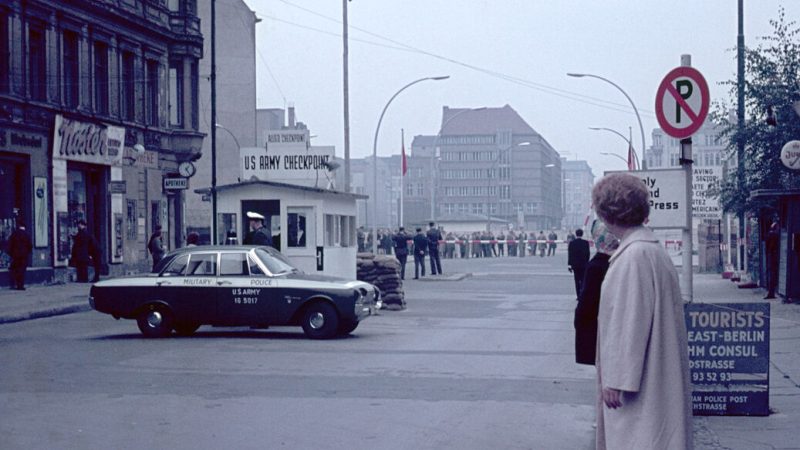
x: 534, y: 43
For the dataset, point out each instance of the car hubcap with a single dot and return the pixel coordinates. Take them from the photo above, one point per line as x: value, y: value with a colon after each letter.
x: 317, y: 321
x: 154, y: 319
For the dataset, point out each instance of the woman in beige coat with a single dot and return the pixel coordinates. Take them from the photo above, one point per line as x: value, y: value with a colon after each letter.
x: 642, y: 350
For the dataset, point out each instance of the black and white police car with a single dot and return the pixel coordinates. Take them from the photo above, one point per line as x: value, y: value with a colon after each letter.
x: 234, y: 286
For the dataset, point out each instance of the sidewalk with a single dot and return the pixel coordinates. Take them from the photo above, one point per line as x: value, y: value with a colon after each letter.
x: 43, y: 301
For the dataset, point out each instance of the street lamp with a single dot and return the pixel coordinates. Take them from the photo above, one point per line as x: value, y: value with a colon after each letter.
x: 638, y: 118
x: 231, y: 134
x: 375, y: 158
x: 630, y: 145
x: 433, y: 155
x: 615, y: 154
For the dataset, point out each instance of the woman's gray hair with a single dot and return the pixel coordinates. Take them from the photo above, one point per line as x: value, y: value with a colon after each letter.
x: 621, y: 199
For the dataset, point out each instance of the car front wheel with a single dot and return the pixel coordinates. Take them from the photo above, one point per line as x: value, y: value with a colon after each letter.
x: 320, y: 321
x: 155, y: 321
x: 347, y: 326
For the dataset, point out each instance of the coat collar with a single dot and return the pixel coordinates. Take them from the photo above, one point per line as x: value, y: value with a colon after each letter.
x: 638, y: 234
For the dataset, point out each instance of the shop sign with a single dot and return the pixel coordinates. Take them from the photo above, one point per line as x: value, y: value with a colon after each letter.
x: 667, y: 196
x: 306, y: 167
x: 729, y: 358
x: 283, y: 139
x: 790, y: 155
x: 148, y: 159
x: 88, y: 142
x: 705, y: 194
x: 117, y: 187
x: 13, y: 139
x: 176, y: 183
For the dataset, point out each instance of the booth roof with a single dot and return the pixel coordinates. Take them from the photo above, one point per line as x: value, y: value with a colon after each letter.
x: 228, y: 187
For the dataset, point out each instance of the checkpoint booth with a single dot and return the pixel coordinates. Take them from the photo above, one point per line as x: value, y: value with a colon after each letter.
x: 315, y: 228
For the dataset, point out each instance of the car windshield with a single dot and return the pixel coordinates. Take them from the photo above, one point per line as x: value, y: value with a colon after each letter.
x: 276, y: 263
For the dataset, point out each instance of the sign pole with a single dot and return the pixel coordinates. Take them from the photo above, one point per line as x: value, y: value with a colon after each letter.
x: 686, y: 161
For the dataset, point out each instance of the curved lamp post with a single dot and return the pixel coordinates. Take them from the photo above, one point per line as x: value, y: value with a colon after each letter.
x: 638, y: 118
x: 623, y: 137
x: 375, y: 158
x: 231, y: 134
x: 433, y: 155
x: 615, y: 154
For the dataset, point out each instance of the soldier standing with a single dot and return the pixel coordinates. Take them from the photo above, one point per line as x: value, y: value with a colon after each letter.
x: 401, y: 250
x: 551, y: 243
x: 420, y: 246
x: 258, y: 235
x: 434, y: 236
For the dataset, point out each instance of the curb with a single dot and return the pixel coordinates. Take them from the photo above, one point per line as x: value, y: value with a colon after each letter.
x: 48, y: 312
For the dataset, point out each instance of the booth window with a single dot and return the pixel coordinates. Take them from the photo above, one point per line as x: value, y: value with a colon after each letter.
x: 340, y: 230
x: 300, y: 223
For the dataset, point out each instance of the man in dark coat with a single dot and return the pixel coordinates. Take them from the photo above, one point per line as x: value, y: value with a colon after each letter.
x: 156, y: 246
x: 577, y: 258
x: 19, y: 249
x: 80, y: 256
x: 420, y: 246
x: 258, y: 235
x: 401, y: 250
x: 551, y: 243
x: 434, y: 236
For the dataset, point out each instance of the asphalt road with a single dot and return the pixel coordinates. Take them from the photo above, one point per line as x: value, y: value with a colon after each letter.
x: 486, y: 362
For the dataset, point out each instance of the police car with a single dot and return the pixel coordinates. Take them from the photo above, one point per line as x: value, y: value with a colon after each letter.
x: 234, y: 286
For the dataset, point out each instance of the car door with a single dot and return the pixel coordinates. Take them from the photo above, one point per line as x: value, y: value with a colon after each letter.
x: 245, y: 291
x: 188, y: 284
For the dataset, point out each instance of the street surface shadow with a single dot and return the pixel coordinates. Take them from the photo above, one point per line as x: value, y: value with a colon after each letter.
x: 221, y: 334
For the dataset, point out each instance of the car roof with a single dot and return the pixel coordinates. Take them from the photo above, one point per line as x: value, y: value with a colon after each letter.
x: 216, y: 248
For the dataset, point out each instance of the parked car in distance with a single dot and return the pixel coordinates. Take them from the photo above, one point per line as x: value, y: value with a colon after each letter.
x: 234, y: 286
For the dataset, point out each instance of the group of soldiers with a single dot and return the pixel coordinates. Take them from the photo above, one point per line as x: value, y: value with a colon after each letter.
x: 437, y: 245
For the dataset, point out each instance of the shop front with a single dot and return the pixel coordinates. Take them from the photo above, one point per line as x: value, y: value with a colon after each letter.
x: 24, y: 197
x: 87, y: 158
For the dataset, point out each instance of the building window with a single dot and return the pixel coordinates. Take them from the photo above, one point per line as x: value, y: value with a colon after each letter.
x: 174, y: 5
x: 4, y: 53
x: 300, y: 223
x: 132, y: 220
x: 71, y: 69
x: 101, y: 78
x: 128, y: 84
x: 151, y: 102
x: 176, y: 93
x: 37, y: 74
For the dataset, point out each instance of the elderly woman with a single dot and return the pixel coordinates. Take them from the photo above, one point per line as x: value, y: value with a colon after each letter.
x: 642, y: 353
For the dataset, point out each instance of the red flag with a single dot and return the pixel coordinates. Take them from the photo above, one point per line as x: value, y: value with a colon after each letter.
x: 631, y: 157
x: 404, y: 167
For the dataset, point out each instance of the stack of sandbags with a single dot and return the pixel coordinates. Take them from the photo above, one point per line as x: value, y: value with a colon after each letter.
x: 384, y: 272
x: 365, y: 267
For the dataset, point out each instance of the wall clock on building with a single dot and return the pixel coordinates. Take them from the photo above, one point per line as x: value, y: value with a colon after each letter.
x: 187, y: 169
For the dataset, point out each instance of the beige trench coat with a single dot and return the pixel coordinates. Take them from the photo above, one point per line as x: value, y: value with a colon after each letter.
x: 642, y: 350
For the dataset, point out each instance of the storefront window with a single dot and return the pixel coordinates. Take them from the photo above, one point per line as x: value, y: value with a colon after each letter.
x: 76, y: 198
x: 12, y: 174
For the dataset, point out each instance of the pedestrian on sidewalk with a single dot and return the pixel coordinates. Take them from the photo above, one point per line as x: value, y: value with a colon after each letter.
x: 589, y: 298
x: 81, y: 252
x: 773, y: 258
x: 19, y: 249
x: 420, y: 247
x: 192, y: 239
x: 156, y: 246
x: 551, y: 243
x: 642, y: 349
x: 541, y: 242
x: 577, y: 257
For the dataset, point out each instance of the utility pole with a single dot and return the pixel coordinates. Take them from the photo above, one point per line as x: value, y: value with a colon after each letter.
x: 213, y: 79
x: 346, y: 91
x: 740, y: 126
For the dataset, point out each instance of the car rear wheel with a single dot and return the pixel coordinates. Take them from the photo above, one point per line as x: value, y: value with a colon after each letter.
x: 320, y: 321
x: 347, y: 327
x: 186, y: 329
x: 155, y: 321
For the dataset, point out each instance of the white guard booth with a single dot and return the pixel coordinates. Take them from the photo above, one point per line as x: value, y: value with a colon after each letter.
x: 315, y: 228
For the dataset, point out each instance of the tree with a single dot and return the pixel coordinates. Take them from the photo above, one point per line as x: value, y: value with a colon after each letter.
x: 772, y: 82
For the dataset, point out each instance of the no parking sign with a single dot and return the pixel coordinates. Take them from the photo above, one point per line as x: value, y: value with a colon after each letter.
x: 682, y: 102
